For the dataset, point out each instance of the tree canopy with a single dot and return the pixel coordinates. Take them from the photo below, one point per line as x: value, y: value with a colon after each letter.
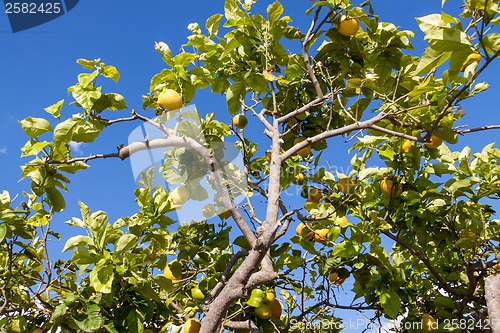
x: 409, y: 232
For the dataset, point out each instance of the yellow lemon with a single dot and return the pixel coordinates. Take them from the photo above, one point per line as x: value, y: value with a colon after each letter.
x: 407, y: 144
x: 391, y: 188
x: 275, y: 308
x: 197, y: 294
x: 170, y: 100
x: 429, y: 323
x: 304, y: 152
x: 192, y: 326
x: 471, y: 58
x: 240, y: 121
x: 179, y: 195
x: 335, y: 279
x: 263, y: 311
x: 315, y: 194
x: 342, y: 221
x: 299, y: 229
x: 434, y: 142
x: 348, y: 26
x: 320, y: 235
x: 208, y: 211
x: 345, y: 185
x: 168, y: 273
x: 299, y: 179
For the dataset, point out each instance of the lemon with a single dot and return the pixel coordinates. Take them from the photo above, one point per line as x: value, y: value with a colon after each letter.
x: 391, y: 188
x: 168, y: 273
x: 471, y: 58
x: 240, y: 121
x: 348, y: 26
x: 320, y: 235
x: 315, y: 194
x: 345, y: 185
x: 434, y: 142
x: 275, y: 309
x: 170, y: 100
x: 197, y: 294
x: 263, y: 312
x: 304, y: 152
x: 192, y: 326
x: 299, y: 229
x: 299, y: 179
x: 407, y: 144
x: 335, y: 279
x: 429, y: 324
x: 269, y: 296
x: 208, y: 211
x: 342, y: 221
x: 179, y: 195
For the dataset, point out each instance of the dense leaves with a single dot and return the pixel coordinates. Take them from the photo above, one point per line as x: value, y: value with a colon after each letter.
x: 408, y: 230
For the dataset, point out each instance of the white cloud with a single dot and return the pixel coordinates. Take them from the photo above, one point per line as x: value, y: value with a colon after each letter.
x: 76, y: 147
x: 3, y: 150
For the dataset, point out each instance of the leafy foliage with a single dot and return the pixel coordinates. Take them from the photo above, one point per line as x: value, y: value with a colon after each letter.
x: 423, y: 248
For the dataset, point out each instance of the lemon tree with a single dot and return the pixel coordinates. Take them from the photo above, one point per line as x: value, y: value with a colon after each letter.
x: 407, y: 233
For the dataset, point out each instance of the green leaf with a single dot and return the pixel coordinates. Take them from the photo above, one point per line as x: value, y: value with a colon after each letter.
x: 55, y: 109
x: 35, y: 127
x: 90, y: 320
x: 76, y: 241
x: 482, y: 86
x: 32, y: 148
x: 56, y: 199
x: 441, y: 35
x: 212, y: 25
x: 4, y: 200
x: 85, y: 79
x: 111, y: 72
x: 125, y: 242
x: 346, y: 249
x: 111, y: 102
x: 293, y: 262
x: 73, y: 167
x: 230, y: 46
x: 88, y: 64
x: 3, y: 231
x: 87, y: 131
x: 430, y: 59
x: 391, y: 303
x: 233, y: 95
x: 82, y: 256
x: 85, y: 96
x: 64, y: 131
x: 101, y: 277
x: 274, y: 12
x: 492, y: 43
x: 258, y: 83
x: 459, y: 184
x: 59, y: 311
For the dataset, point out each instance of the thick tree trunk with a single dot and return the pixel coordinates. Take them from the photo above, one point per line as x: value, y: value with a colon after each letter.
x: 492, y: 295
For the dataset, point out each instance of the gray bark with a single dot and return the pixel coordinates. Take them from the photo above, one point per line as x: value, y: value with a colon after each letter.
x: 492, y: 295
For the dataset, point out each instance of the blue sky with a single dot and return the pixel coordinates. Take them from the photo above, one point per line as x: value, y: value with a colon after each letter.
x: 39, y: 64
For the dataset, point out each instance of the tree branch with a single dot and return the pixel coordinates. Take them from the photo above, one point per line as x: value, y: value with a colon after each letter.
x: 442, y: 283
x: 223, y: 279
x: 246, y: 325
x: 477, y: 129
x: 308, y: 38
x: 302, y: 109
